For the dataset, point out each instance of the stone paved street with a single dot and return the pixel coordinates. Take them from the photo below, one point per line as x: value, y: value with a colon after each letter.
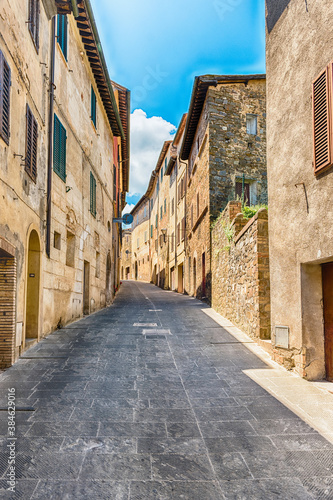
x: 148, y: 400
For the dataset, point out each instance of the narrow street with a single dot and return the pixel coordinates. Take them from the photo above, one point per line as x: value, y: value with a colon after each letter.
x: 148, y: 400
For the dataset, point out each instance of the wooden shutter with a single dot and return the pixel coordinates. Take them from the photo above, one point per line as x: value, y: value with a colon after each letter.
x: 92, y: 194
x: 31, y: 145
x: 5, y: 83
x: 321, y: 122
x: 59, y: 149
x: 183, y: 229
x: 34, y: 8
x: 62, y: 33
x: 93, y: 107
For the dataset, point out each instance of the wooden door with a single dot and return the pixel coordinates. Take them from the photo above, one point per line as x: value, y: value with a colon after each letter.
x: 203, y: 275
x: 327, y: 274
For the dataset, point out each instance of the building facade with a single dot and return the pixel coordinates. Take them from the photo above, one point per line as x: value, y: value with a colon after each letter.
x: 61, y: 141
x: 225, y: 146
x: 140, y: 241
x: 300, y: 183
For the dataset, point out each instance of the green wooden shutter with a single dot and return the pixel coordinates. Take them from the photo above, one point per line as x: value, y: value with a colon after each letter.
x: 62, y: 33
x: 92, y: 195
x: 93, y: 107
x: 59, y: 149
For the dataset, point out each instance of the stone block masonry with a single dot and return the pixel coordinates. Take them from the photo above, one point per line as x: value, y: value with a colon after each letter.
x: 240, y: 270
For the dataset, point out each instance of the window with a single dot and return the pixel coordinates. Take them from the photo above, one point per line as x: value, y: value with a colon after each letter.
x: 161, y: 174
x: 146, y: 237
x: 137, y: 220
x: 70, y: 249
x: 172, y: 242
x: 157, y: 186
x: 92, y: 195
x: 93, y: 107
x: 251, y: 124
x: 4, y: 99
x: 62, y: 33
x: 161, y: 212
x: 33, y: 22
x: 98, y: 264
x: 59, y: 149
x: 173, y: 206
x: 31, y: 145
x: 151, y: 204
x: 57, y: 240
x: 183, y: 229
x: 156, y: 221
x: 145, y: 212
x: 165, y: 205
x: 322, y: 94
x: 239, y: 192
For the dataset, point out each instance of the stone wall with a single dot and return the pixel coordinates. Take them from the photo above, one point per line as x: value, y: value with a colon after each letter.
x: 240, y: 270
x: 232, y: 151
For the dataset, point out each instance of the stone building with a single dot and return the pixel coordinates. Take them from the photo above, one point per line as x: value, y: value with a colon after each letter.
x: 225, y: 145
x: 300, y: 183
x: 63, y: 142
x: 158, y: 194
x: 176, y: 170
x: 140, y: 254
x: 126, y: 253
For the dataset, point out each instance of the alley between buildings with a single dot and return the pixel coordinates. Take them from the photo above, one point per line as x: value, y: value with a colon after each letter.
x: 150, y: 399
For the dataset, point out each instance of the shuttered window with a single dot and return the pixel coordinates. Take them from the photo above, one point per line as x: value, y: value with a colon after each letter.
x: 31, y: 145
x: 92, y: 195
x: 239, y: 192
x: 33, y: 22
x: 321, y: 121
x: 59, y: 149
x: 93, y: 107
x: 151, y: 230
x: 62, y: 33
x: 183, y: 229
x: 4, y: 99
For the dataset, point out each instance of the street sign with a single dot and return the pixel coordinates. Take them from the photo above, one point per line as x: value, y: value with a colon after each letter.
x: 126, y: 219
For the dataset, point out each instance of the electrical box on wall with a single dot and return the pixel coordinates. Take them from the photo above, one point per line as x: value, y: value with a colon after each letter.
x: 282, y: 336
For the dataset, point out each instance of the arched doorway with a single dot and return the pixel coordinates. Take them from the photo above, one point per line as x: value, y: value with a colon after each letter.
x: 33, y: 287
x: 108, y: 279
x: 194, y: 277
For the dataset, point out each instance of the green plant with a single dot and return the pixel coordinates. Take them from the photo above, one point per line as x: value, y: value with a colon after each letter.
x: 250, y: 211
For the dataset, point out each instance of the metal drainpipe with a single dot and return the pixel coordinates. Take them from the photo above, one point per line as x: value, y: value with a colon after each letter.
x: 50, y: 151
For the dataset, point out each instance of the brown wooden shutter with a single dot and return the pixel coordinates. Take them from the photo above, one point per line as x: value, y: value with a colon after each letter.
x: 34, y: 6
x: 5, y: 84
x: 31, y: 145
x: 321, y: 121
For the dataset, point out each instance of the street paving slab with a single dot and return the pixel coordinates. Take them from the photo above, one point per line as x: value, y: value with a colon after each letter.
x: 154, y: 399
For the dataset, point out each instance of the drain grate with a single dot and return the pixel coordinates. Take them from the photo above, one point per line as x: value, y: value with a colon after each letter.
x: 156, y: 331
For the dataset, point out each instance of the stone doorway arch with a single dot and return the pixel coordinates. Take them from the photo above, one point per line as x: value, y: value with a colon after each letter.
x: 33, y: 288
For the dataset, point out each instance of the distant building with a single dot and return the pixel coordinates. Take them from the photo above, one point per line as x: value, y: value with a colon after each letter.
x: 225, y: 146
x: 64, y: 149
x: 140, y: 254
x: 126, y: 255
x: 176, y: 170
x: 300, y: 174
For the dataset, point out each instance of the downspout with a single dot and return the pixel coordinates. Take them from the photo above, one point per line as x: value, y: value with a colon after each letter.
x: 50, y: 150
x: 75, y: 9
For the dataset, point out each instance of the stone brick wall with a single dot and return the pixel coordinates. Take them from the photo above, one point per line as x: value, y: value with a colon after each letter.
x: 240, y: 271
x: 232, y: 151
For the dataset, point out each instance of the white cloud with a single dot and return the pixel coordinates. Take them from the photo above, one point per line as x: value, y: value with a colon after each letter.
x: 147, y: 137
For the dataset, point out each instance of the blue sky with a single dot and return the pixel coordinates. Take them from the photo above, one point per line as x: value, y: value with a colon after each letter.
x: 157, y: 48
